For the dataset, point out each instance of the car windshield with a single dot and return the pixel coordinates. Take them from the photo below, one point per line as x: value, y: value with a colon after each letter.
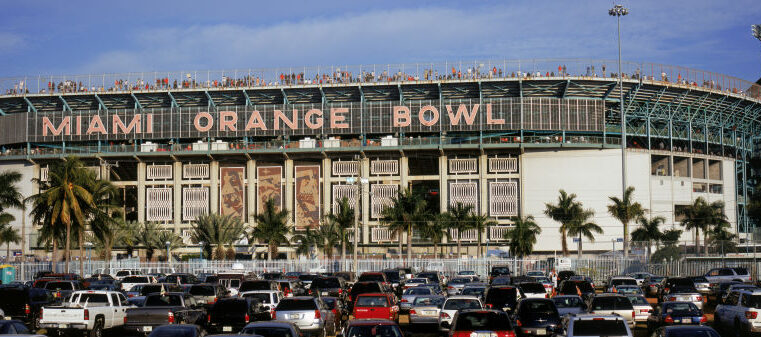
x: 499, y: 297
x: 262, y: 297
x: 620, y: 282
x: 267, y: 332
x: 473, y: 291
x: 500, y: 281
x: 330, y: 302
x: 752, y: 301
x: 683, y: 289
x: 371, y: 278
x: 255, y: 285
x: 202, y: 291
x: 700, y: 279
x: 638, y: 300
x: 362, y: 288
x: 135, y: 279
x: 92, y: 299
x: 428, y: 301
x: 656, y: 279
x: 392, y: 276
x: 489, y: 321
x: 567, y: 302
x: 459, y: 281
x: 372, y: 301
x: 681, y: 309
x: 374, y: 331
x: 296, y: 304
x: 418, y: 291
x: 162, y: 301
x: 532, y: 288
x: 462, y: 303
x: 433, y: 277
x: 500, y: 270
x: 572, y: 287
x: 611, y: 303
x: 308, y: 277
x: 628, y: 290
x: 608, y: 327
x: 325, y: 283
x: 533, y: 307
x: 174, y: 331
x: 231, y: 305
x: 417, y: 280
x: 542, y: 279
x: 59, y: 286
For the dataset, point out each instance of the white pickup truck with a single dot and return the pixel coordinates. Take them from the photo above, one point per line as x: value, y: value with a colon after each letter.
x: 87, y: 311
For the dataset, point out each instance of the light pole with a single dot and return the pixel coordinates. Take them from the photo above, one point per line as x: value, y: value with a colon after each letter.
x: 618, y: 11
x: 358, y: 183
x: 200, y: 248
x: 167, y: 251
x: 89, y: 256
x: 756, y: 30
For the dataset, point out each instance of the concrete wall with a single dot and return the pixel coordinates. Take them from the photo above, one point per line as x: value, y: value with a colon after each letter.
x: 27, y: 188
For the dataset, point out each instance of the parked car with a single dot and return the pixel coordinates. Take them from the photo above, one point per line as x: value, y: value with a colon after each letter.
x: 452, y: 305
x: 434, y: 276
x: 642, y: 308
x: 329, y: 286
x: 687, y: 294
x: 640, y: 277
x: 306, y: 279
x: 717, y: 275
x: 308, y: 313
x: 268, y: 298
x: 565, y: 275
x: 739, y: 313
x: 684, y: 331
x: 275, y: 275
x: 373, y: 277
x: 470, y: 322
x: 702, y: 285
x: 291, y: 287
x: 503, y: 298
x: 129, y: 281
x: 409, y: 295
x: 674, y: 313
x: 548, y: 285
x: 474, y: 289
x: 250, y: 285
x: 232, y: 314
x: 497, y: 271
x: 177, y: 330
x: 340, y: 314
x: 614, y: 282
x: 272, y: 329
x: 23, y: 303
x: 535, y: 273
x: 569, y: 304
x: 536, y: 316
x: 414, y: 282
x: 394, y: 277
x: 579, y: 288
x: 164, y: 308
x: 372, y: 328
x: 147, y: 289
x: 426, y: 309
x: 181, y: 278
x: 63, y: 289
x: 15, y: 328
x: 612, y: 304
x: 455, y: 285
x: 501, y: 281
x: 737, y: 287
x: 126, y: 272
x: 207, y: 293
x: 629, y: 290
x: 598, y: 325
x: 720, y: 290
x: 363, y: 288
x: 652, y: 285
x: 533, y: 290
x: 376, y: 306
x: 90, y: 312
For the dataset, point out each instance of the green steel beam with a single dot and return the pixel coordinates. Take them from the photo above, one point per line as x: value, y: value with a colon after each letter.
x: 248, y: 99
x: 30, y: 105
x: 361, y: 94
x: 2, y: 113
x: 211, y: 100
x: 565, y: 89
x: 65, y: 104
x: 285, y: 97
x: 100, y: 101
x: 401, y: 94
x: 137, y: 102
x: 658, y: 100
x: 174, y: 101
x: 323, y: 99
x: 611, y: 87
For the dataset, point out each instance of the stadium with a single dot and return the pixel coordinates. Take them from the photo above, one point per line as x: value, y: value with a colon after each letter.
x: 504, y: 136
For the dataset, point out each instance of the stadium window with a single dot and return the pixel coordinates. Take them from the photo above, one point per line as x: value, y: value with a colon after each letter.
x: 699, y: 188
x: 681, y: 167
x: 714, y: 169
x: 660, y: 165
x: 716, y: 188
x: 698, y: 168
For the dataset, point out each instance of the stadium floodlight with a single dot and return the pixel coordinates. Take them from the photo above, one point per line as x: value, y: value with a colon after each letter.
x: 618, y: 11
x: 756, y: 30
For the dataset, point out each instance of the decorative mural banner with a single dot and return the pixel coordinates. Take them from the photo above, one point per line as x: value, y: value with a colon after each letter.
x: 232, y: 192
x: 307, y: 196
x: 268, y: 186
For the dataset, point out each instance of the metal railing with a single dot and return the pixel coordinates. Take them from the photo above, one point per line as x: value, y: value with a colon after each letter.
x: 390, y: 73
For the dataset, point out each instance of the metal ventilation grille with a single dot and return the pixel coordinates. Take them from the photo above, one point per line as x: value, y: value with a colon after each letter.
x: 384, y: 167
x: 382, y: 196
x: 465, y: 193
x: 195, y: 202
x: 468, y: 235
x: 497, y: 232
x: 503, y: 198
x: 44, y: 173
x: 344, y: 191
x: 380, y: 234
x: 159, y: 172
x: 195, y: 171
x: 159, y: 204
x: 503, y: 165
x: 345, y: 168
x: 464, y: 165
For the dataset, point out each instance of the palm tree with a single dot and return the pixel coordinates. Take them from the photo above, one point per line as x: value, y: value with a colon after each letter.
x: 435, y: 231
x: 717, y: 223
x: 522, y: 235
x: 9, y: 193
x: 583, y: 227
x: 480, y: 223
x: 344, y: 220
x: 460, y: 217
x: 328, y: 237
x: 649, y: 231
x: 271, y: 227
x: 697, y: 217
x: 406, y: 212
x: 9, y: 235
x: 174, y: 240
x: 626, y: 210
x: 146, y: 237
x: 103, y: 219
x: 565, y: 211
x: 126, y: 235
x: 220, y: 231
x: 304, y: 241
x: 66, y: 197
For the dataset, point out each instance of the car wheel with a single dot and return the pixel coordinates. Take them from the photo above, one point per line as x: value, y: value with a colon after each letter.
x: 97, y: 330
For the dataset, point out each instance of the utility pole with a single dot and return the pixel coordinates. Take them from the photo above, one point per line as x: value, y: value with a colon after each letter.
x: 618, y: 11
x: 756, y: 31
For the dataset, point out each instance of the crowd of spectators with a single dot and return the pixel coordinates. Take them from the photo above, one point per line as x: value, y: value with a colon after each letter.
x: 339, y: 76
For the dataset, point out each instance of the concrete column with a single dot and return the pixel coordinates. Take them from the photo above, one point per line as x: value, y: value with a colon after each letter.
x: 251, y: 190
x: 289, y: 184
x: 443, y: 188
x: 483, y: 193
x: 177, y: 191
x: 327, y: 201
x: 404, y: 172
x: 141, y: 192
x: 365, y: 173
x: 214, y: 186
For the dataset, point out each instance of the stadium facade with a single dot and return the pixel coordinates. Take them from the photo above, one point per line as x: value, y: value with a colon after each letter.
x: 503, y: 136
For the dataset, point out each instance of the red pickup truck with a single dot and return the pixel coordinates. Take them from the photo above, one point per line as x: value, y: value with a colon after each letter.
x: 376, y: 306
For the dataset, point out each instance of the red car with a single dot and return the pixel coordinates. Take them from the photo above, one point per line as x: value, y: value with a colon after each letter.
x: 496, y: 322
x: 376, y: 306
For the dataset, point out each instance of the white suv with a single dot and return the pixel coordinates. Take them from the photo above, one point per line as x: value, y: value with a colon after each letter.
x: 597, y: 325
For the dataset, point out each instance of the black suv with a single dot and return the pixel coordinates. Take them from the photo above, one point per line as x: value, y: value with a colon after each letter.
x: 23, y: 303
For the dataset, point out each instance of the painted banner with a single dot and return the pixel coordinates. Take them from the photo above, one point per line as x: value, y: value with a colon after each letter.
x: 232, y: 192
x: 268, y: 185
x: 307, y: 196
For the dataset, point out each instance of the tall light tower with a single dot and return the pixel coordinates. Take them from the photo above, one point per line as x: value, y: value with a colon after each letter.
x: 618, y: 11
x: 756, y: 30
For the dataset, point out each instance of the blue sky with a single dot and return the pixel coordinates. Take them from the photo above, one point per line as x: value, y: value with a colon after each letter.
x: 80, y: 37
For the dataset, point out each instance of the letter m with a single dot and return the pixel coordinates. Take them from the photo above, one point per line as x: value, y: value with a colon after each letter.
x: 64, y: 127
x: 117, y: 125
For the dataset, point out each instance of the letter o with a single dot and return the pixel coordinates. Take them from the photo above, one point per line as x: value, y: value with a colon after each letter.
x: 209, y: 121
x: 434, y: 112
